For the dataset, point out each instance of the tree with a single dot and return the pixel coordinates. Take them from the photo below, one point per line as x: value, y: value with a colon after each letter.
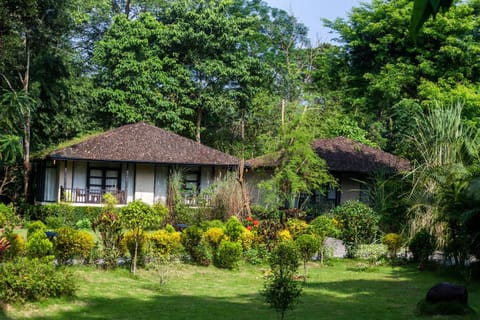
x: 386, y: 76
x: 422, y: 10
x: 307, y: 246
x: 281, y: 291
x: 300, y: 169
x: 137, y: 216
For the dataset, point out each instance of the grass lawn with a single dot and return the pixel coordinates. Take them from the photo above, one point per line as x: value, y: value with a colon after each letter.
x: 333, y: 291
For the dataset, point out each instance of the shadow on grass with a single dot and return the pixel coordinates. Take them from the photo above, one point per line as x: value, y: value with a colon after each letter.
x: 392, y: 297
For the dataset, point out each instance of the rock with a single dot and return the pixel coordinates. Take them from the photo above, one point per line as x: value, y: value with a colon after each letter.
x: 447, y: 292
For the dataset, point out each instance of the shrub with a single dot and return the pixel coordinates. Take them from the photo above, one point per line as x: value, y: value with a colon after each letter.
x: 205, y: 225
x: 83, y: 224
x: 132, y: 239
x: 393, y: 241
x: 268, y: 232
x: 35, y: 226
x: 214, y: 236
x: 161, y: 213
x: 234, y: 228
x: 54, y: 222
x: 38, y: 245
x: 324, y: 226
x: 16, y: 248
x: 256, y: 256
x: 284, y: 258
x: 228, y: 254
x: 422, y: 246
x: 371, y: 252
x: 284, y: 235
x: 297, y: 227
x: 165, y: 243
x: 32, y: 280
x: 307, y: 246
x: 8, y: 217
x: 247, y: 239
x: 197, y: 249
x: 358, y: 224
x: 70, y: 243
x: 280, y: 290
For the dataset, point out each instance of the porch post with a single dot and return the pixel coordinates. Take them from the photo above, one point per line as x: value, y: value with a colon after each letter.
x: 126, y: 183
x: 62, y: 194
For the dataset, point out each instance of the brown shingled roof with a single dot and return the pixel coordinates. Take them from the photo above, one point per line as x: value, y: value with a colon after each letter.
x: 141, y: 142
x: 344, y: 155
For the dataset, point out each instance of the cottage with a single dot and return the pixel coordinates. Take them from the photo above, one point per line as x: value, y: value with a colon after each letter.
x: 131, y: 162
x: 350, y: 162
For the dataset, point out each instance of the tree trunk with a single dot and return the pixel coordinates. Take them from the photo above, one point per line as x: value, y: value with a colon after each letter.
x: 26, y: 125
x: 241, y: 170
x: 134, y: 262
x: 198, y: 125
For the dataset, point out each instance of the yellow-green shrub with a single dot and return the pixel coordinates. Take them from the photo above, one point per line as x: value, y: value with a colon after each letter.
x: 297, y: 227
x: 214, y: 236
x: 16, y: 248
x: 284, y: 235
x: 393, y: 241
x: 70, y: 243
x: 164, y: 242
x: 247, y: 239
x: 128, y: 244
x: 38, y: 245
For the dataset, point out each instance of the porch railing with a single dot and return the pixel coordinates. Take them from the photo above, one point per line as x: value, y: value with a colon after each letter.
x: 79, y: 195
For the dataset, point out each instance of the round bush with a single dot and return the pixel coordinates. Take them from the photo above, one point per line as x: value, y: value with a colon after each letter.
x: 165, y: 243
x: 214, y: 236
x: 358, y: 222
x: 234, y: 228
x: 324, y: 226
x: 247, y: 239
x: 35, y: 226
x: 228, y: 254
x: 284, y: 235
x: 197, y: 249
x: 38, y: 245
x: 422, y: 246
x: 393, y: 241
x: 284, y: 259
x: 70, y: 243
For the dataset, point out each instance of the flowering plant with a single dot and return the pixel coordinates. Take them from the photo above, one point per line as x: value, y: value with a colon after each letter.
x: 250, y: 223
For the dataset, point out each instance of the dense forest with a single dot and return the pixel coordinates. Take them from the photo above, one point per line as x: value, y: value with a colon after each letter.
x: 243, y: 77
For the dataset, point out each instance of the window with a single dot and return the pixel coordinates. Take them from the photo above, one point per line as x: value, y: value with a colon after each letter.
x: 191, y: 181
x: 103, y: 179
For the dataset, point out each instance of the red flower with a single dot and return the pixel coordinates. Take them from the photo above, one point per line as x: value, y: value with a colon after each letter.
x: 255, y: 222
x: 249, y: 218
x: 249, y: 228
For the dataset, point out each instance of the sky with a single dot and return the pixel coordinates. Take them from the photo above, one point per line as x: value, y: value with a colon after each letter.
x: 309, y: 12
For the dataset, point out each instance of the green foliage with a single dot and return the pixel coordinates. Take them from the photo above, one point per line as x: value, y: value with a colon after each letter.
x: 215, y: 223
x: 35, y: 226
x: 83, y: 224
x: 234, y: 228
x: 135, y: 244
x: 358, y: 223
x: 394, y: 242
x: 196, y: 247
x: 16, y: 248
x: 371, y: 252
x: 422, y: 246
x: 34, y: 279
x: 307, y: 246
x: 161, y: 213
x: 268, y: 232
x: 213, y: 236
x: 227, y: 255
x: 280, y: 291
x: 256, y: 256
x: 70, y: 243
x: 165, y: 243
x: 9, y: 217
x: 110, y: 229
x: 297, y: 228
x: 38, y: 245
x: 324, y: 226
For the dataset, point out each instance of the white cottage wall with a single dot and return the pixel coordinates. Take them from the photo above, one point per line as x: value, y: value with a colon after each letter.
x: 145, y: 183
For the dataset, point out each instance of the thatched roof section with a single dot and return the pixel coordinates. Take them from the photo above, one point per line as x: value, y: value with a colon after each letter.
x: 141, y: 142
x: 344, y: 155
